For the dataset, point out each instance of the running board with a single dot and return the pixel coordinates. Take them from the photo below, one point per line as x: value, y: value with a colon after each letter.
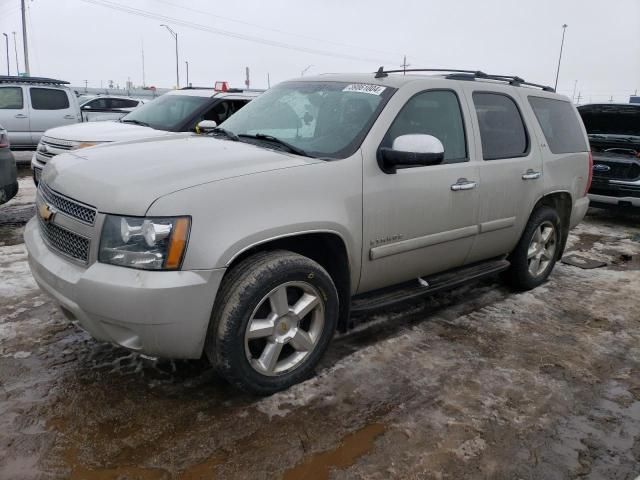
x: 418, y: 288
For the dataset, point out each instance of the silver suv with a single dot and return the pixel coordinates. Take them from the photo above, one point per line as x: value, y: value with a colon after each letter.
x: 323, y: 197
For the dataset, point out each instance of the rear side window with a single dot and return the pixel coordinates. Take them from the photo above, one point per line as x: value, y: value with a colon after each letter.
x: 11, y: 98
x: 123, y: 103
x: 502, y: 129
x: 436, y: 113
x: 560, y: 125
x: 49, y: 99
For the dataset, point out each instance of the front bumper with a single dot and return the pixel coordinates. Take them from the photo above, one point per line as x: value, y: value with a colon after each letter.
x: 162, y: 314
x: 617, y: 193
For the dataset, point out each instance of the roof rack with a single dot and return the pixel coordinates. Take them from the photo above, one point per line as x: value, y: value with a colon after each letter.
x: 455, y: 74
x: 39, y: 80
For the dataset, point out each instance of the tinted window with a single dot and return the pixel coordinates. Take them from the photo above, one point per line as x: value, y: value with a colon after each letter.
x: 434, y: 113
x: 223, y: 110
x: 502, y: 130
x: 168, y: 112
x: 123, y: 103
x: 11, y: 98
x: 560, y: 125
x: 49, y: 99
x: 99, y: 103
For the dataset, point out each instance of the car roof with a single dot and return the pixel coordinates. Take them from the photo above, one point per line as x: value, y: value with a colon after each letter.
x: 210, y: 92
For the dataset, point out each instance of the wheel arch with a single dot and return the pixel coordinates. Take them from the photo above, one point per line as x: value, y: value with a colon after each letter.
x: 325, y: 247
x: 561, y: 201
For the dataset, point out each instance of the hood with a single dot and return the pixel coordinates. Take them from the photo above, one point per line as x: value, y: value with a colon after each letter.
x: 611, y: 119
x: 126, y: 178
x: 103, y: 132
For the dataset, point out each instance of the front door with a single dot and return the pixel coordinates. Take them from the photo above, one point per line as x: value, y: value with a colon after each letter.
x: 50, y: 107
x: 420, y: 220
x: 14, y: 115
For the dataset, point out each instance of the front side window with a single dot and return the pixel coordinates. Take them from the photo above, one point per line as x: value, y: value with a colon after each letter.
x: 49, y: 99
x: 11, y: 98
x: 325, y: 119
x: 560, y: 125
x: 502, y: 129
x: 123, y: 103
x: 97, y: 104
x: 436, y: 113
x: 168, y: 112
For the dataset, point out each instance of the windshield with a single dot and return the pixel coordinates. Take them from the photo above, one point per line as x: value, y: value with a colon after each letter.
x: 611, y: 120
x: 168, y: 112
x: 324, y: 119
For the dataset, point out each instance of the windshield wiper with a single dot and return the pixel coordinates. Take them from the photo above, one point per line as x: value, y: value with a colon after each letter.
x: 137, y: 122
x: 219, y: 131
x: 270, y: 138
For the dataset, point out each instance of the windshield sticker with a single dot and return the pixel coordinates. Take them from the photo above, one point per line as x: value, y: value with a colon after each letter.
x: 364, y: 88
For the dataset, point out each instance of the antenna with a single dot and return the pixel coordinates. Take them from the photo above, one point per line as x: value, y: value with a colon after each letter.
x: 405, y: 65
x: 144, y: 83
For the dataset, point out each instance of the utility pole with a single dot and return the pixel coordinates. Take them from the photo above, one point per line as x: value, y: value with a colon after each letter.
x: 144, y: 84
x: 15, y: 48
x: 579, y: 97
x: 573, y: 97
x: 305, y: 70
x: 611, y: 99
x: 564, y: 29
x: 247, y: 81
x: 188, y: 85
x: 175, y: 37
x: 24, y: 40
x: 6, y: 40
x: 268, y: 81
x: 404, y: 65
x: 86, y: 84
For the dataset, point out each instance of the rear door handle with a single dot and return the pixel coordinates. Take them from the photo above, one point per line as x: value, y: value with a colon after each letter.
x: 531, y: 175
x: 463, y: 184
x: 21, y: 115
x: 70, y: 117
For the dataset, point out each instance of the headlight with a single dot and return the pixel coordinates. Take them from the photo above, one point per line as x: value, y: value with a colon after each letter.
x: 155, y: 243
x: 85, y: 145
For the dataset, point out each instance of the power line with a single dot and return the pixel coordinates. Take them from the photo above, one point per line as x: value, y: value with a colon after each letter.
x: 275, y: 30
x: 227, y: 33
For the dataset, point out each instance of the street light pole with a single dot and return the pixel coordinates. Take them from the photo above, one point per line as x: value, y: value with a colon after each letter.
x: 15, y: 49
x: 187, y: 72
x: 564, y: 29
x: 6, y: 40
x: 175, y: 37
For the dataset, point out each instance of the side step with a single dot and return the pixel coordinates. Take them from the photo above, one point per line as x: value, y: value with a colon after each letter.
x: 414, y: 289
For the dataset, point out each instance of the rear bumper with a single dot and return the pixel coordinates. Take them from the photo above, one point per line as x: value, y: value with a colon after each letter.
x: 163, y: 314
x: 580, y: 207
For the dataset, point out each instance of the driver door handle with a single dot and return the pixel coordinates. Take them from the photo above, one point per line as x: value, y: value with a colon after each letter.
x: 531, y: 175
x: 21, y: 115
x: 463, y: 184
x: 70, y: 117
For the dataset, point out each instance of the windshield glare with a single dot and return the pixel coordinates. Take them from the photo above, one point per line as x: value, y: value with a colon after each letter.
x: 168, y: 112
x: 325, y: 119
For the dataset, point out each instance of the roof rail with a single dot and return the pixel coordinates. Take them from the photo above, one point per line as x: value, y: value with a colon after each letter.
x: 39, y: 80
x: 455, y: 74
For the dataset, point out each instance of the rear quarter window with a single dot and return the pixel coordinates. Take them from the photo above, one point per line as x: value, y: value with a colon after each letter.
x: 560, y: 125
x: 49, y: 99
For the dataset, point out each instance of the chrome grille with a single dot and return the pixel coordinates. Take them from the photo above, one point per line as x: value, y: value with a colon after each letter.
x: 83, y: 213
x: 50, y: 147
x: 64, y: 241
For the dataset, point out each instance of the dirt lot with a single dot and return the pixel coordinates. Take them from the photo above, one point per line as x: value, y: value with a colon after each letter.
x: 476, y: 383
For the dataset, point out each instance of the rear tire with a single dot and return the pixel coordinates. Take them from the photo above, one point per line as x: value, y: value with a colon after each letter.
x: 273, y: 318
x: 535, y: 255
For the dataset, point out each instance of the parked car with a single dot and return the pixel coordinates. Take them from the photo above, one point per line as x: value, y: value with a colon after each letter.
x: 31, y: 105
x: 105, y: 107
x: 8, y: 173
x: 175, y: 111
x: 324, y: 196
x: 614, y: 134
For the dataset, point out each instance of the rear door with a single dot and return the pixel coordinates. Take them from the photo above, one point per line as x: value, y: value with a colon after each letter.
x: 14, y: 115
x: 49, y: 108
x: 510, y: 171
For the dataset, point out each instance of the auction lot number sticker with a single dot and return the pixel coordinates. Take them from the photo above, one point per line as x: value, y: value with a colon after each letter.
x: 364, y: 88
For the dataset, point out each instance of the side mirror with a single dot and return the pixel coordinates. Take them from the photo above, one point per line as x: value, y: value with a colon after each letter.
x: 85, y: 107
x: 414, y: 150
x: 205, y: 126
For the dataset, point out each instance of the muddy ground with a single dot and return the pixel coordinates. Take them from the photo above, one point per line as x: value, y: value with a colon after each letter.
x: 476, y: 383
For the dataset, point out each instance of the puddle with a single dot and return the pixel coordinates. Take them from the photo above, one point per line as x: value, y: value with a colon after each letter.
x: 353, y: 446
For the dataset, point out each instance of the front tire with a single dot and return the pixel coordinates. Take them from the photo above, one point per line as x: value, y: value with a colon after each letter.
x: 273, y: 319
x: 535, y: 255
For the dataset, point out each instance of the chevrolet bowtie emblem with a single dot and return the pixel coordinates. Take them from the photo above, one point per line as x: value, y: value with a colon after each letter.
x: 46, y: 212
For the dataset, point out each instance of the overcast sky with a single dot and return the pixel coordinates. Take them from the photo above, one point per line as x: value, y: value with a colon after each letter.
x: 80, y: 40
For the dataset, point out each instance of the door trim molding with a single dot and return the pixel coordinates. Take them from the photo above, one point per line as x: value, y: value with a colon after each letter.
x: 498, y: 224
x: 421, y: 242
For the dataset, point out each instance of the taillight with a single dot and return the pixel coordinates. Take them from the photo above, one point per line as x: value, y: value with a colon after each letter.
x: 590, y: 178
x: 4, y: 139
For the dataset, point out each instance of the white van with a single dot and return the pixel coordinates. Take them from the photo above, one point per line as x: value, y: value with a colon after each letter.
x: 30, y: 105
